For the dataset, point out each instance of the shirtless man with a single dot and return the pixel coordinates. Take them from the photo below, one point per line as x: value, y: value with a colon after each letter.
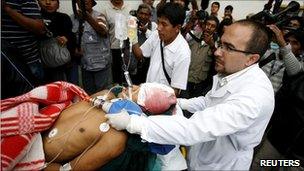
x: 77, y: 129
x: 81, y: 139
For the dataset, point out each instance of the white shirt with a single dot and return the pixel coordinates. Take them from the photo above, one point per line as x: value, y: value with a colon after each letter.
x: 177, y: 62
x: 176, y: 59
x: 226, y: 125
x: 109, y: 10
x: 153, y: 28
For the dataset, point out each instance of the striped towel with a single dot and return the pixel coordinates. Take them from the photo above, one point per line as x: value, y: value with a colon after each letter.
x: 24, y: 117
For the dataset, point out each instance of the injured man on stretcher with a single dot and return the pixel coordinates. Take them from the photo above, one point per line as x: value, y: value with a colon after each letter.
x: 80, y: 139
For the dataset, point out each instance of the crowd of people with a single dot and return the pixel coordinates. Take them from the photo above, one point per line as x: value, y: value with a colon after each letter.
x: 227, y: 74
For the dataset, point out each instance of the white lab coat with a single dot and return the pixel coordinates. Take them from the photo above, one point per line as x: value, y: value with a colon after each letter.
x: 226, y: 125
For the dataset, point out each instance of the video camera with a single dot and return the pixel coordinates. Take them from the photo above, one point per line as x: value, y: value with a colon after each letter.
x: 280, y: 19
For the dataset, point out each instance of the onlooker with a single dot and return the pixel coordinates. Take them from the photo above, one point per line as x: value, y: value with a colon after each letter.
x: 224, y: 23
x: 283, y: 59
x: 153, y: 9
x: 95, y: 48
x: 175, y: 49
x: 145, y: 29
x: 110, y: 9
x: 170, y: 58
x: 228, y: 12
x: 16, y: 77
x: 60, y: 25
x: 201, y: 68
x: 296, y: 41
x: 296, y: 22
x: 24, y: 16
x: 215, y: 7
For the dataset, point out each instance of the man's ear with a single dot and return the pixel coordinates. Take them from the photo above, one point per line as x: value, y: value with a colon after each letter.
x: 178, y: 28
x: 253, y: 58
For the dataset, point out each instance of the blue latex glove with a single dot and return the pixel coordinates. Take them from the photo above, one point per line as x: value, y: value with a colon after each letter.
x: 160, y: 149
x: 37, y: 69
x: 128, y: 105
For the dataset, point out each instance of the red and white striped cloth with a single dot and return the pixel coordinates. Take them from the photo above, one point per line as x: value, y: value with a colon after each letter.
x: 24, y: 117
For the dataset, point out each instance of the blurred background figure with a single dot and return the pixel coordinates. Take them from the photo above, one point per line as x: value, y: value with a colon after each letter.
x: 228, y: 12
x: 201, y: 70
x: 25, y: 18
x: 110, y: 10
x: 281, y: 59
x: 60, y: 25
x: 215, y: 7
x: 153, y: 9
x: 223, y: 24
x: 145, y: 29
x: 21, y: 68
x: 95, y: 48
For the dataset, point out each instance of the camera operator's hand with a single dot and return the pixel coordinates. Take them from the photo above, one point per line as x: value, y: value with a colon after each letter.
x: 278, y: 35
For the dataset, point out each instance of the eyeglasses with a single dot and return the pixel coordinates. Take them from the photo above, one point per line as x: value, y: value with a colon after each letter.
x: 226, y: 47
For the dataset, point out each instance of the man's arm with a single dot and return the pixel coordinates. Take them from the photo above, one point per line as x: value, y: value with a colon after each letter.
x: 33, y: 25
x: 137, y: 51
x: 99, y: 25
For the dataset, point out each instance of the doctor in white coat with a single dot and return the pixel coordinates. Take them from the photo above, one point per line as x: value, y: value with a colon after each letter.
x: 231, y: 119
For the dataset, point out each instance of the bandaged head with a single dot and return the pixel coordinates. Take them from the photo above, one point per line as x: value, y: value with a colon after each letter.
x: 156, y: 98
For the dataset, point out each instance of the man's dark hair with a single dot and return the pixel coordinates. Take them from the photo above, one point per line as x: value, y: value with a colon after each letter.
x: 173, y: 12
x: 213, y: 18
x: 299, y: 19
x: 224, y: 22
x: 216, y: 3
x: 229, y: 7
x: 144, y: 6
x: 298, y: 35
x: 260, y: 36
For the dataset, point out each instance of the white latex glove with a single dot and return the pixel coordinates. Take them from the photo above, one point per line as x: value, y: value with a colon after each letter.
x: 119, y: 121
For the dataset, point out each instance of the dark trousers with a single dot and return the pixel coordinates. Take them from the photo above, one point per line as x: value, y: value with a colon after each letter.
x: 117, y: 72
x: 55, y: 74
x: 94, y: 81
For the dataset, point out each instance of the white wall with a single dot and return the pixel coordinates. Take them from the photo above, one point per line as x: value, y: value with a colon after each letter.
x: 241, y: 7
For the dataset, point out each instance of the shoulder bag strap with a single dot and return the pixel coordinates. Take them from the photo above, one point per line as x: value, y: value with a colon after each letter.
x: 267, y: 60
x: 163, y: 63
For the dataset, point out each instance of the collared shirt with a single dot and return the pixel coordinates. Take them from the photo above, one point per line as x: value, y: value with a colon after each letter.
x: 110, y: 11
x: 201, y: 59
x: 226, y: 125
x: 176, y: 59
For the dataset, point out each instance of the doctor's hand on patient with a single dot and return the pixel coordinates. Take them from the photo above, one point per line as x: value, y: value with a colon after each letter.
x: 120, y: 120
x: 119, y: 112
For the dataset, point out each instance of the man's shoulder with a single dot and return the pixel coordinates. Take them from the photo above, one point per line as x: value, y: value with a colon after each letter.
x: 182, y: 45
x: 255, y: 79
